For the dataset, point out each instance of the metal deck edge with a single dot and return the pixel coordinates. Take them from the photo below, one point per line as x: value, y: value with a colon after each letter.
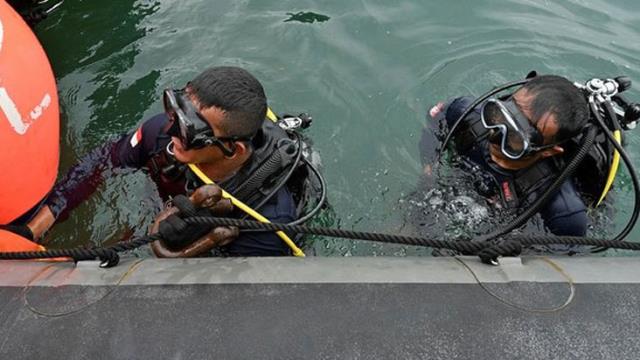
x: 132, y: 271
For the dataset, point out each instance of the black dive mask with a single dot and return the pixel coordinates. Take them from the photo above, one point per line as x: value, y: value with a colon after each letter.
x: 515, y: 135
x: 190, y: 127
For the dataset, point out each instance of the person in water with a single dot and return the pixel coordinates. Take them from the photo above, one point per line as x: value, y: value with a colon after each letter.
x: 217, y: 122
x: 514, y: 144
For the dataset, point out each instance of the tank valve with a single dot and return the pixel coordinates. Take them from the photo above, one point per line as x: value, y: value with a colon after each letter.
x: 289, y: 122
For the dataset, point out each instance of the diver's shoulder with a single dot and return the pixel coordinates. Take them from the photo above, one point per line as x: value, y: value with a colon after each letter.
x: 456, y: 106
x: 155, y: 123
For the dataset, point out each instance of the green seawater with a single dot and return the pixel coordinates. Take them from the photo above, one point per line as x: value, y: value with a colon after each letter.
x: 366, y: 70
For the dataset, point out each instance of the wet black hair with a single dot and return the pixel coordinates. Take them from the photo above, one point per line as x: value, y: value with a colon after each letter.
x: 556, y: 94
x: 235, y: 91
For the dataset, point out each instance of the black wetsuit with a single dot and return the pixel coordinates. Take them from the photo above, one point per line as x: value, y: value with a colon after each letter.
x: 564, y: 214
x: 135, y: 150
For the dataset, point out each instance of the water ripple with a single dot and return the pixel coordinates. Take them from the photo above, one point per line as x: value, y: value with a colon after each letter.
x: 367, y: 75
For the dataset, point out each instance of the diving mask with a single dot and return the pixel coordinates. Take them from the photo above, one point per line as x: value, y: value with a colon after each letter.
x: 516, y: 135
x: 188, y: 124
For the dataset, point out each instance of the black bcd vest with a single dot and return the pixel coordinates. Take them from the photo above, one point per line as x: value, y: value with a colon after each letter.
x: 274, y: 153
x: 591, y: 174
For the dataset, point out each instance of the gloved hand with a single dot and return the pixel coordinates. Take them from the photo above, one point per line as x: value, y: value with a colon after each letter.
x: 183, y: 240
x: 22, y: 230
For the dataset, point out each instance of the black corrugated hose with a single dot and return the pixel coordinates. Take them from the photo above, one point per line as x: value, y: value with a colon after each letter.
x: 585, y: 146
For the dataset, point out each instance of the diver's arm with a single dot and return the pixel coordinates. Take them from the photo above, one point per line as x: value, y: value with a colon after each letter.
x: 566, y: 213
x: 81, y: 181
x: 569, y: 225
x: 439, y: 119
x: 75, y: 187
x: 429, y: 140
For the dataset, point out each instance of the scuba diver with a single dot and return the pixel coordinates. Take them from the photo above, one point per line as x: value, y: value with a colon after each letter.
x: 216, y: 128
x: 516, y: 145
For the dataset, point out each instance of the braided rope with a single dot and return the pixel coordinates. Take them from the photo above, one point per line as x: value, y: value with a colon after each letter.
x: 488, y: 251
x: 108, y: 255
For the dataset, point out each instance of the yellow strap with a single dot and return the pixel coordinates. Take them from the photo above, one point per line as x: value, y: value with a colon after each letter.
x: 244, y: 207
x: 614, y: 168
x: 271, y: 116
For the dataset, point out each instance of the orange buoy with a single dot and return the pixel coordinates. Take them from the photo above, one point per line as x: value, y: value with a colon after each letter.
x: 12, y: 242
x: 29, y: 118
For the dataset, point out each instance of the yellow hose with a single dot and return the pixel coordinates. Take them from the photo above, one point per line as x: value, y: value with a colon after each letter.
x: 614, y: 168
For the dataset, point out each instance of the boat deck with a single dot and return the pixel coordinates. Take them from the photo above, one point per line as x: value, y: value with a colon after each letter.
x: 327, y: 308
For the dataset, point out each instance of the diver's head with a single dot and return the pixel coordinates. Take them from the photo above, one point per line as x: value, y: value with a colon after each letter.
x: 535, y: 121
x: 215, y: 116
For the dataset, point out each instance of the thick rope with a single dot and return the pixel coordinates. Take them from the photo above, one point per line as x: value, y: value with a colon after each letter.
x: 108, y: 255
x: 488, y: 251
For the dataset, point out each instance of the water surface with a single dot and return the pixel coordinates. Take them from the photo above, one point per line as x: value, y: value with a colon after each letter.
x: 367, y: 71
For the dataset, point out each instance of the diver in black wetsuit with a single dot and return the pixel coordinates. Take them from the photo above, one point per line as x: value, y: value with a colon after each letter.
x: 216, y: 122
x: 515, y: 143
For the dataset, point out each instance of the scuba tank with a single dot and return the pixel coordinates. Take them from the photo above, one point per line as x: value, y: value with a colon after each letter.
x: 291, y: 164
x: 277, y: 150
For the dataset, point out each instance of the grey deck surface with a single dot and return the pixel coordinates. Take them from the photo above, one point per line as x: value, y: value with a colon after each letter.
x: 322, y: 308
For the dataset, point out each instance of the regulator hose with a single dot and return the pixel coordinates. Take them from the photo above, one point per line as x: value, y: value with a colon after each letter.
x: 259, y: 176
x: 625, y: 157
x: 321, y: 200
x: 286, y: 178
x: 585, y: 145
x: 323, y: 186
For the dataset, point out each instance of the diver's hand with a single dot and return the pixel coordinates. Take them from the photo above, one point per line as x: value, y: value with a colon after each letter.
x: 219, y: 236
x: 41, y: 223
x: 427, y: 181
x: 210, y: 197
x: 427, y: 170
x: 206, y: 200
